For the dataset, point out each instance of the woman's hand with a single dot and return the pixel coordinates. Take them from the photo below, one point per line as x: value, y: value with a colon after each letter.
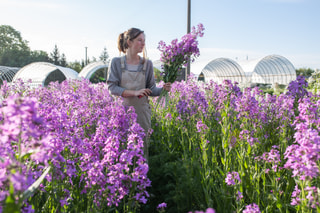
x: 167, y: 86
x: 143, y: 92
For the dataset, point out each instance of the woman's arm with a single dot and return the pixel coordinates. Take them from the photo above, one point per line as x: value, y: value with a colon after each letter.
x: 114, y: 77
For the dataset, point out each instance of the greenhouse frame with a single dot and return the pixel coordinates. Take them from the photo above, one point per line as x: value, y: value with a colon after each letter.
x: 7, y: 73
x: 91, y: 69
x: 272, y: 69
x: 221, y: 69
x: 42, y: 73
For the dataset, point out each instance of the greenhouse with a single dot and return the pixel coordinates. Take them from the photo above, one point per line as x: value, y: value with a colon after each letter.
x: 221, y: 69
x: 95, y: 71
x: 7, y: 73
x: 271, y: 69
x: 42, y: 73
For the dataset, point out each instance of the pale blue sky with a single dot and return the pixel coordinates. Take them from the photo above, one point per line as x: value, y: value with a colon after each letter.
x: 236, y: 29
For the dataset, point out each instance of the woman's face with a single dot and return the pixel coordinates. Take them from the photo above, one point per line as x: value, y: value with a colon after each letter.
x: 138, y: 43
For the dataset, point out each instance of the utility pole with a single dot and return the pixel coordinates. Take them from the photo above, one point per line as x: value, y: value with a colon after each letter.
x: 86, y: 59
x: 187, y: 72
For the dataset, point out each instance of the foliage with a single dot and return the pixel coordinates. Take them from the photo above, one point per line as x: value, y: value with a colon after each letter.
x: 306, y: 72
x: 14, y: 51
x: 243, y: 150
x: 58, y: 59
x: 314, y: 82
x: 39, y: 56
x: 76, y: 65
x: 104, y: 56
x: 214, y: 146
x: 99, y: 75
x: 11, y: 39
x: 157, y: 74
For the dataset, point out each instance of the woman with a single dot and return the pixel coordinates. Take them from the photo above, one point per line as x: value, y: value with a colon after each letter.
x: 131, y: 77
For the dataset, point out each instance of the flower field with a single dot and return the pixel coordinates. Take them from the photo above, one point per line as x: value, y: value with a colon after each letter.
x: 70, y: 147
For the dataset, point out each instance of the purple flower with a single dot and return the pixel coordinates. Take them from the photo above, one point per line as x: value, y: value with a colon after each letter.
x: 252, y: 208
x: 178, y: 54
x: 232, y: 177
x: 201, y: 127
x: 162, y: 206
x: 209, y: 210
x: 303, y: 156
x: 239, y: 195
x: 297, y: 88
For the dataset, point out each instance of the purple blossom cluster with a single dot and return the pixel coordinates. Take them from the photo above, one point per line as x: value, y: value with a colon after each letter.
x: 312, y: 197
x: 303, y: 156
x: 298, y: 87
x: 232, y: 178
x: 92, y: 142
x: 273, y: 157
x: 25, y: 144
x: 183, y: 51
x: 161, y: 207
x: 191, y: 100
x: 209, y: 210
x: 178, y: 54
x: 201, y: 127
x: 252, y: 208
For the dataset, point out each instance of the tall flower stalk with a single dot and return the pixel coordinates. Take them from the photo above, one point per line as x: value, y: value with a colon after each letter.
x: 178, y: 54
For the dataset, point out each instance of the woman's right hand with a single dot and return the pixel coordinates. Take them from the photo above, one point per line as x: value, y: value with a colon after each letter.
x: 143, y: 92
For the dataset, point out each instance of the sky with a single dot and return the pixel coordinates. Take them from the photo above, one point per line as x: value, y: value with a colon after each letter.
x: 234, y: 29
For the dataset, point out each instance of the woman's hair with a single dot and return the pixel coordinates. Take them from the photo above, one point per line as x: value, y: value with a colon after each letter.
x: 130, y: 34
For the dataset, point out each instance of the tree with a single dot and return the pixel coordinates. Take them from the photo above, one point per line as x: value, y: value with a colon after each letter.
x: 75, y: 66
x: 104, y: 56
x: 306, y: 72
x: 15, y: 58
x: 10, y: 39
x: 63, y: 60
x: 55, y: 56
x: 39, y: 56
x: 14, y: 51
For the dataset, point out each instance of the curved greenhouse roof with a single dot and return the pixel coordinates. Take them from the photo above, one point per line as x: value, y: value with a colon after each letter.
x: 266, y: 70
x: 7, y: 73
x: 42, y: 73
x: 91, y: 68
x: 269, y: 70
x: 221, y: 69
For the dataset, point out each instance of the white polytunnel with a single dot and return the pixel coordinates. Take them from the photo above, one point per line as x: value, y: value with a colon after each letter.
x: 42, y: 73
x: 269, y: 70
x: 221, y: 69
x: 7, y: 73
x: 266, y: 70
x: 92, y: 68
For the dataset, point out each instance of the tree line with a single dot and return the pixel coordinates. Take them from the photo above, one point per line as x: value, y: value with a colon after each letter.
x: 15, y: 52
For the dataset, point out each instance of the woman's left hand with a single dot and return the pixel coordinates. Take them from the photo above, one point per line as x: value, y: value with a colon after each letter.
x: 167, y: 86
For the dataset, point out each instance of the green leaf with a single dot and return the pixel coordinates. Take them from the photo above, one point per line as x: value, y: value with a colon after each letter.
x: 223, y: 161
x: 10, y: 204
x: 29, y: 192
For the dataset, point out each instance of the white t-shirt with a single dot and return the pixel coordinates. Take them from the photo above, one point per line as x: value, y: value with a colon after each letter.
x: 132, y: 67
